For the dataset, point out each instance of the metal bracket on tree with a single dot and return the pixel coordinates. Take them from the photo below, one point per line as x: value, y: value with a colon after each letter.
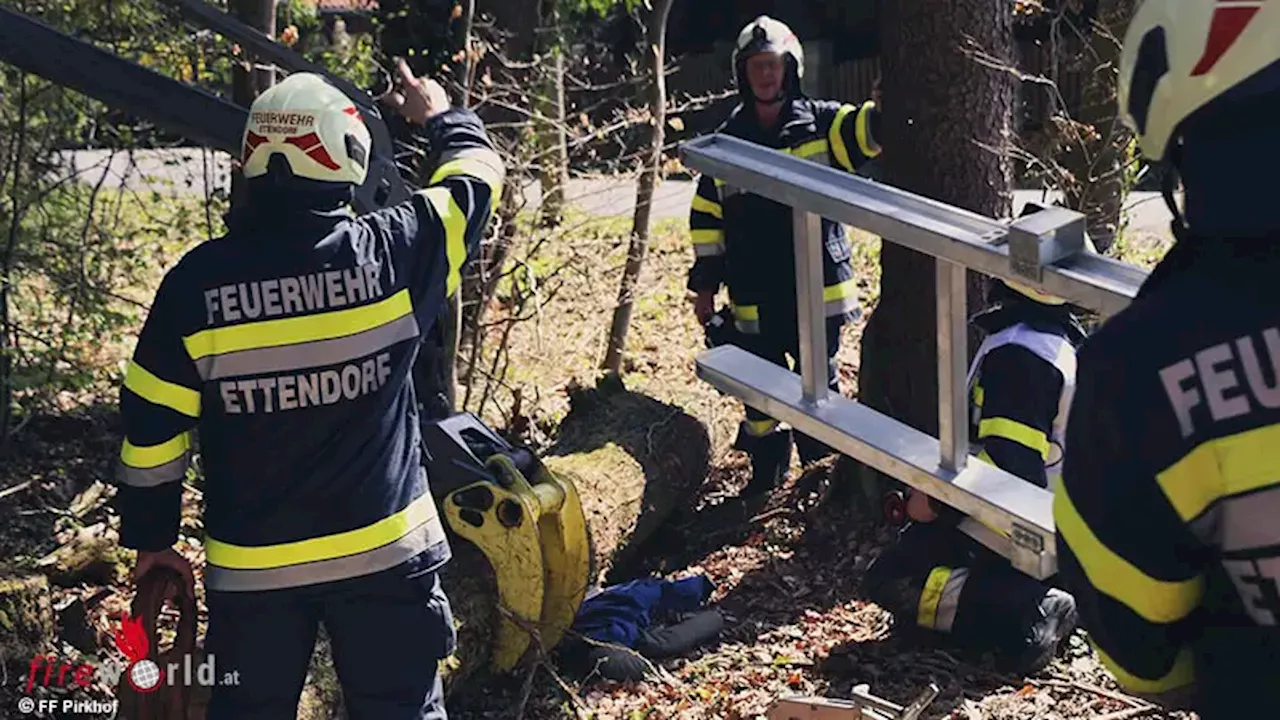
x: 1044, y: 250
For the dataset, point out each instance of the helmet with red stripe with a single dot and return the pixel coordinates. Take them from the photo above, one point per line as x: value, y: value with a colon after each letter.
x: 317, y: 130
x: 1184, y: 58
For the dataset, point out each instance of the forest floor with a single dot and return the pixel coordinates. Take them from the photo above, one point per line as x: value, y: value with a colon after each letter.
x: 787, y: 579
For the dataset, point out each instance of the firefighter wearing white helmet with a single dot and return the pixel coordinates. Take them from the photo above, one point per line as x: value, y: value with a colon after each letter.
x: 742, y: 242
x: 1166, y: 516
x: 287, y: 345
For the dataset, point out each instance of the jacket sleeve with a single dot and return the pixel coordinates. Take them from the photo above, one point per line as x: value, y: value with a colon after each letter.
x: 160, y: 407
x: 1019, y: 399
x: 706, y: 228
x: 853, y: 133
x: 440, y: 227
x: 1136, y: 584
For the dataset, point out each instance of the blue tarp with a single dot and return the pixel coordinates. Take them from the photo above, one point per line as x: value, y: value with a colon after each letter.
x: 619, y: 613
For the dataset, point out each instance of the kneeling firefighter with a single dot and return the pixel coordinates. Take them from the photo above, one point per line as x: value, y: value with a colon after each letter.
x: 744, y: 241
x: 1020, y: 388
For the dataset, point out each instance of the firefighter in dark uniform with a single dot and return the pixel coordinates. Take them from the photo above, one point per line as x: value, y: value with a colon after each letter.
x: 287, y: 345
x: 744, y: 241
x: 935, y: 576
x: 1168, y: 516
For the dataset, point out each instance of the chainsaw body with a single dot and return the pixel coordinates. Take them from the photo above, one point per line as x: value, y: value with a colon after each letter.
x: 527, y: 521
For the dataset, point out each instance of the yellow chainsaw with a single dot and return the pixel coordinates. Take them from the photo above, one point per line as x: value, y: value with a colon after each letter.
x: 527, y: 521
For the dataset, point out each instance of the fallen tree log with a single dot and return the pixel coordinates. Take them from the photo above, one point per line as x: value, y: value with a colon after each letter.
x: 633, y: 460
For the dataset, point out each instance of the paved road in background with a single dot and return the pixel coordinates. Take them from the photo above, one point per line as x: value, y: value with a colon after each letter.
x: 185, y: 170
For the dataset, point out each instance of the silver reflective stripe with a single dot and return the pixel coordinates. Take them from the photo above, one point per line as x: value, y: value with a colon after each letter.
x: 949, y: 601
x: 1241, y: 523
x: 842, y: 305
x: 175, y: 469
x: 708, y: 249
x: 416, y: 541
x: 750, y: 327
x: 318, y: 353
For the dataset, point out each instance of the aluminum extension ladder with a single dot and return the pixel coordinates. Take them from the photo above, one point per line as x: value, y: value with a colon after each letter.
x: 1044, y: 251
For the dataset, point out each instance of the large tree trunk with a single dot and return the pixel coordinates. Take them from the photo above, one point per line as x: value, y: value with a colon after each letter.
x: 1094, y: 152
x: 633, y: 460
x: 247, y: 83
x: 940, y: 109
x: 549, y: 106
x: 656, y: 53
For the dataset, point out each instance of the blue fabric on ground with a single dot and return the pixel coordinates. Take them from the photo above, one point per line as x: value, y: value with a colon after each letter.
x: 619, y: 613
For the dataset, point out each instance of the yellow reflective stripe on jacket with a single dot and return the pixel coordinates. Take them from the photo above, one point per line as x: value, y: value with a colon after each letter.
x: 760, y: 428
x: 454, y: 222
x: 1155, y: 600
x: 294, y: 330
x: 161, y: 392
x: 352, y: 542
x: 940, y: 598
x: 862, y: 130
x: 978, y: 395
x: 152, y: 465
x: 1014, y: 431
x: 710, y: 207
x: 836, y: 136
x: 810, y: 149
x: 149, y: 456
x: 707, y: 242
x: 466, y: 166
x: 1180, y: 675
x: 1221, y: 468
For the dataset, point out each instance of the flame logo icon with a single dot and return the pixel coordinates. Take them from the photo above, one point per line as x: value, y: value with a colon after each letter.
x: 131, y: 638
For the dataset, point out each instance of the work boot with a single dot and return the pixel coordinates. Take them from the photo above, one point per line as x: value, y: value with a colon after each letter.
x: 1049, y: 634
x: 770, y: 460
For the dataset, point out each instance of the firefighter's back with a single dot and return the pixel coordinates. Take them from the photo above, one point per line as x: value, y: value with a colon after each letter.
x: 304, y: 337
x: 1184, y: 517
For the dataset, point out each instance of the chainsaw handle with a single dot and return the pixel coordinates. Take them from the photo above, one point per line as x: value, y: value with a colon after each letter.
x: 153, y: 589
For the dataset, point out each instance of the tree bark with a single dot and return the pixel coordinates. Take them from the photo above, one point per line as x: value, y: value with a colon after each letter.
x: 1095, y: 154
x: 247, y: 83
x: 941, y: 110
x: 553, y: 145
x: 656, y: 42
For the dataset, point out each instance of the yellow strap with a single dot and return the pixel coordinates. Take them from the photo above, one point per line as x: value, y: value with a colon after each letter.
x: 149, y: 456
x: 1015, y: 431
x: 748, y: 313
x: 161, y: 392
x: 927, y: 612
x: 760, y: 428
x: 352, y: 542
x: 294, y: 330
x: 703, y: 205
x: 1156, y: 601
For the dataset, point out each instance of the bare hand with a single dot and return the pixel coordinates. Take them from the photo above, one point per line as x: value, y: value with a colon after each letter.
x: 417, y: 99
x: 704, y: 306
x: 168, y: 559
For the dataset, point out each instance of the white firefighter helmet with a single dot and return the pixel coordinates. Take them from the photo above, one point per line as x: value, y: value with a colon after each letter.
x: 1181, y: 55
x: 317, y: 129
x: 766, y: 35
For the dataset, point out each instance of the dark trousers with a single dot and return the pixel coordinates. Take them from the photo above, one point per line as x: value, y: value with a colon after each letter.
x: 388, y: 632
x: 780, y: 347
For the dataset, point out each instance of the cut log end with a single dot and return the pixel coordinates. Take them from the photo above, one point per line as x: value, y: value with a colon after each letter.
x: 26, y: 616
